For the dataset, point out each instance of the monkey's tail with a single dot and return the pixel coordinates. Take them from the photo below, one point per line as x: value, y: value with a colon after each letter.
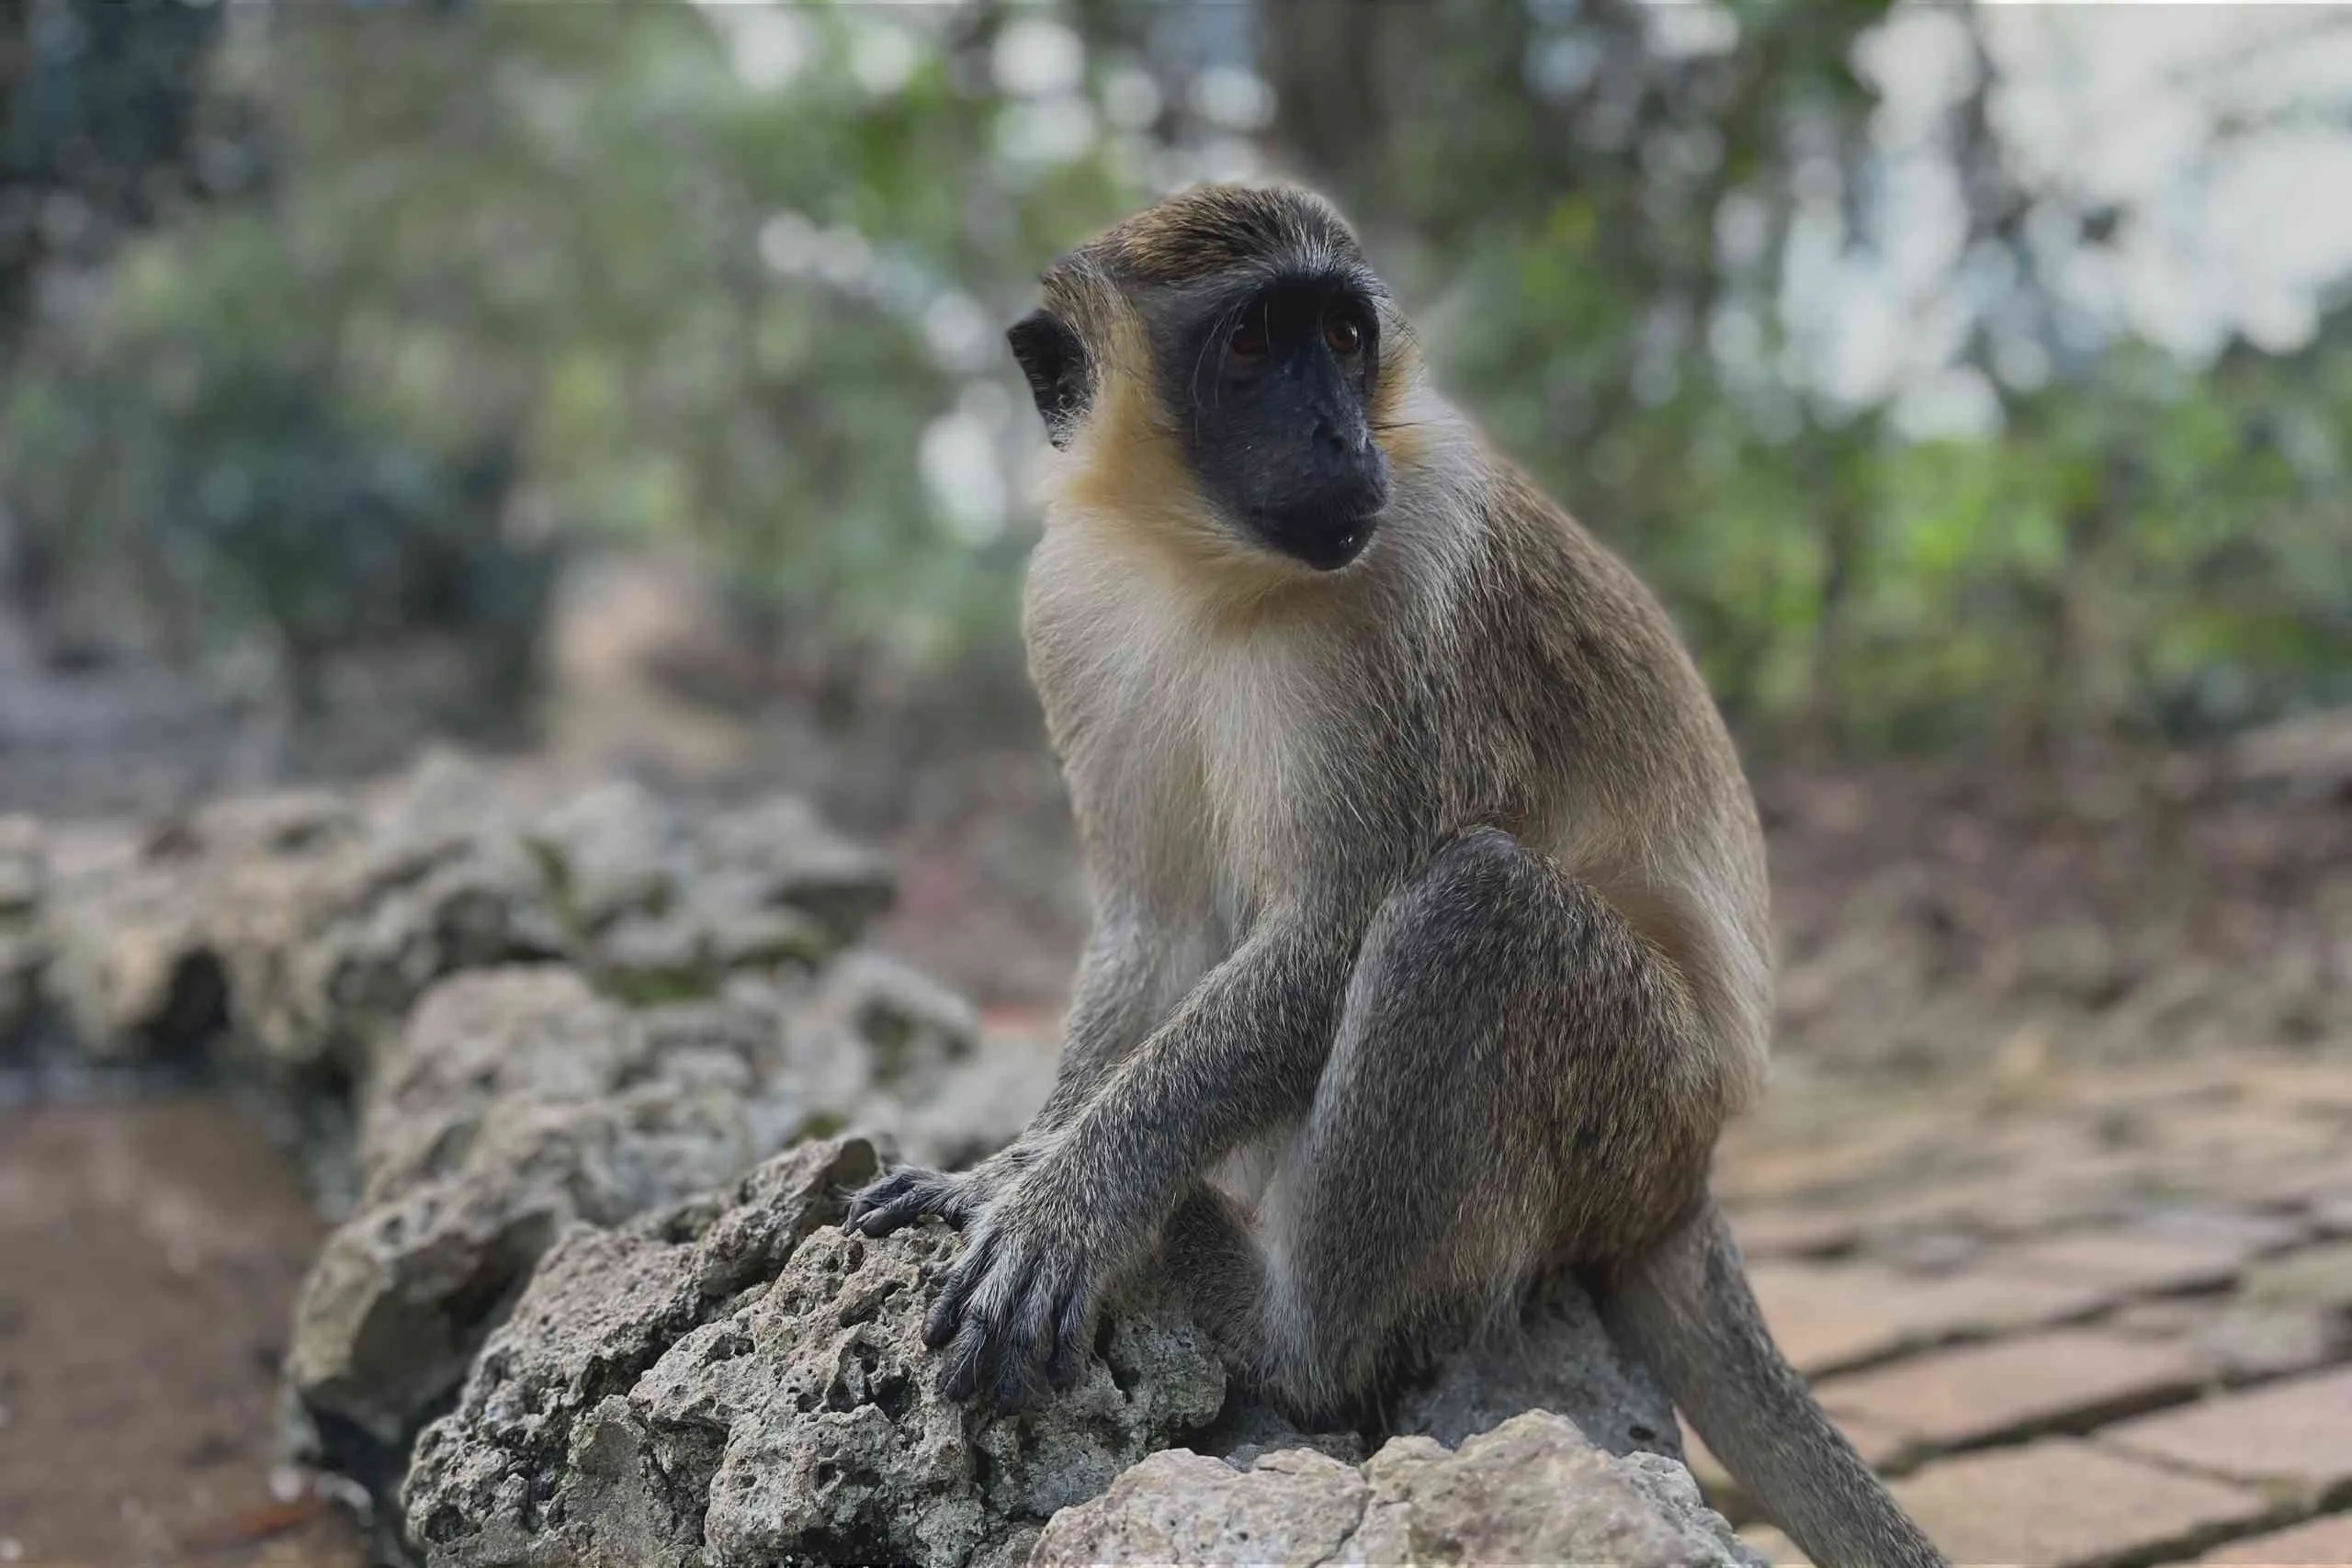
x: 1686, y: 1311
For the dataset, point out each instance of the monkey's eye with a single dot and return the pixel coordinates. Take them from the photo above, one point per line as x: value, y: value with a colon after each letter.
x: 1342, y: 334
x: 1249, y: 344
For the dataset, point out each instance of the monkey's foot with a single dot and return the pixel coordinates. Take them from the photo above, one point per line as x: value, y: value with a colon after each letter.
x: 909, y: 1193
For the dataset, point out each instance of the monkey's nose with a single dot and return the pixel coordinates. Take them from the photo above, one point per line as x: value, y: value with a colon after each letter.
x: 1333, y: 441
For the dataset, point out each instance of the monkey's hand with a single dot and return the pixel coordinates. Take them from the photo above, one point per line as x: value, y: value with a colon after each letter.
x: 1018, y: 1301
x: 899, y: 1198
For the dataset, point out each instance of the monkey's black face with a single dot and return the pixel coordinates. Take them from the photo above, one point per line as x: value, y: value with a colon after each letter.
x: 1278, y: 382
x: 1272, y: 384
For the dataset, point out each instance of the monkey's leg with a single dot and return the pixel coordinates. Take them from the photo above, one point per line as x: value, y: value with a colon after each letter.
x: 1237, y: 1060
x: 1479, y: 1111
x: 1516, y: 1083
x: 1215, y: 1263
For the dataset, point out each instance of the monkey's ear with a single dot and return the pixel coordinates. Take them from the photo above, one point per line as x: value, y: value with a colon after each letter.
x: 1055, y: 361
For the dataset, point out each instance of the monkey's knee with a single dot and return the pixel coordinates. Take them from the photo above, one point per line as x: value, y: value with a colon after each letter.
x: 1479, y: 907
x: 1482, y: 860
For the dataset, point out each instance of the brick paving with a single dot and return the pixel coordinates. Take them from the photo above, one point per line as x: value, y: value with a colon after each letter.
x: 2239, y: 1340
x: 2067, y: 1379
x: 2320, y: 1541
x: 2295, y: 1434
x: 2060, y: 1500
x: 2100, y: 1321
x: 2145, y: 1260
x: 2316, y: 1276
x: 1829, y: 1316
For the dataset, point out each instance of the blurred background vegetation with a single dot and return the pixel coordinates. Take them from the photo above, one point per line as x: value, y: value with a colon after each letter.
x: 1964, y: 377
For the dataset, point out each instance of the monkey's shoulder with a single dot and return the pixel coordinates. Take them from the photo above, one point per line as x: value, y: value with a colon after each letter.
x: 1594, y: 715
x: 1570, y: 640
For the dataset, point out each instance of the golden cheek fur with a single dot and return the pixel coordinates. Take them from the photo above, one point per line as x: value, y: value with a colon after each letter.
x: 1397, y: 418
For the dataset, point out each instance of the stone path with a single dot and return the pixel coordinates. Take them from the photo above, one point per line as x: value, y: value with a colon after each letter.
x: 2087, y: 1322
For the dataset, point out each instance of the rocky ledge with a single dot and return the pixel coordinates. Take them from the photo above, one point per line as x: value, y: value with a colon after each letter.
x: 579, y: 1080
x: 737, y: 1381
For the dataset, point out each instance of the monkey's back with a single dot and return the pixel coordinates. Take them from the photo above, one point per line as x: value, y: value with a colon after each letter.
x: 1592, y: 712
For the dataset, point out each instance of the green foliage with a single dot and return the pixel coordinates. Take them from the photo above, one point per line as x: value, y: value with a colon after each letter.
x: 98, y: 131
x: 578, y: 272
x: 2140, y: 546
x: 214, y: 439
x: 700, y: 301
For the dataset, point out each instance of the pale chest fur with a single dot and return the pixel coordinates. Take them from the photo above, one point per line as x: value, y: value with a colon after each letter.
x: 1220, y: 762
x: 1181, y: 734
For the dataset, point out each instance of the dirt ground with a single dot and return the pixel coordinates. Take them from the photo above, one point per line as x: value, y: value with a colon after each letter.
x: 149, y: 1254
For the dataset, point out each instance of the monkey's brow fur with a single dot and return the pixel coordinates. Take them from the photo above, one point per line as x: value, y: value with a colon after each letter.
x: 1429, y: 894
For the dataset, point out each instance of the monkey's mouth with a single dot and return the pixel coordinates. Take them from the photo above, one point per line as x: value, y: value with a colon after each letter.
x: 1325, y: 547
x: 1327, y: 533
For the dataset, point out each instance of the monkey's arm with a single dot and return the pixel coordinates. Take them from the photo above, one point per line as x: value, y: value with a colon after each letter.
x: 1242, y: 1052
x: 1128, y: 978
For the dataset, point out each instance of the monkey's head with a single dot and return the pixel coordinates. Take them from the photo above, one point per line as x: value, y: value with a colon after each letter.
x: 1218, y: 360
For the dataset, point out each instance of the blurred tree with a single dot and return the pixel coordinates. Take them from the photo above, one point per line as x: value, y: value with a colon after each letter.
x: 100, y: 133
x: 210, y: 443
x: 695, y: 304
x: 734, y: 276
x: 1612, y: 210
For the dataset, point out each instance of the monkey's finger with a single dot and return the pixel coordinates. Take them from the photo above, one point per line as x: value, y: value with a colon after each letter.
x: 1069, y: 1357
x: 959, y: 1203
x: 971, y: 1357
x: 990, y: 1336
x: 956, y: 1290
x: 1027, y: 1322
x: 1031, y: 1336
x: 925, y: 1194
x: 1039, y: 1322
x: 959, y: 1366
x: 876, y: 1195
x: 871, y: 1193
x: 1016, y: 1385
x: 954, y: 1199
